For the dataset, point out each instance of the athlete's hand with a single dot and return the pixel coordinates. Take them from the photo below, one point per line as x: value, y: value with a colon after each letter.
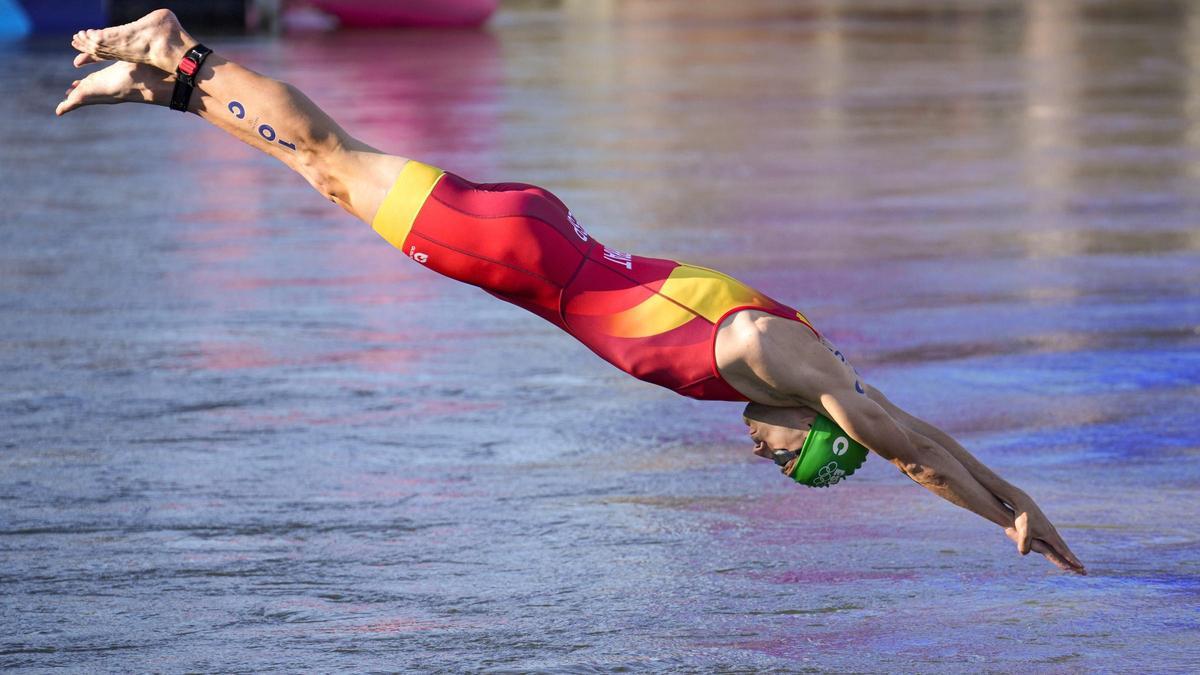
x: 1033, y: 531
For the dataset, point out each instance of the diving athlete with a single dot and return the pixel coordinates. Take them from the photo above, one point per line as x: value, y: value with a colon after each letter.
x: 693, y: 330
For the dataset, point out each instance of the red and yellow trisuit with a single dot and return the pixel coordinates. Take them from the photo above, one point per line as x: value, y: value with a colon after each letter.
x: 655, y: 319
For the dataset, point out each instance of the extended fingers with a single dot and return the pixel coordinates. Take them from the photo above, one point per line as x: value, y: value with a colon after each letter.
x: 1063, y: 550
x: 1055, y: 541
x: 1049, y: 544
x: 1059, y: 560
x: 1051, y: 555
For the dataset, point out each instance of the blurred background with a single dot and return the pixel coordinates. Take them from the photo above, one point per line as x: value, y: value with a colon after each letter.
x: 49, y: 16
x: 238, y: 431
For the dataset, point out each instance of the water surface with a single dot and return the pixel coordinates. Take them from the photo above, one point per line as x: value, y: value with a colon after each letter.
x: 240, y: 432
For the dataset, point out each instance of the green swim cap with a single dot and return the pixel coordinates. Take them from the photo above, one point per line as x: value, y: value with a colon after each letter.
x: 828, y: 455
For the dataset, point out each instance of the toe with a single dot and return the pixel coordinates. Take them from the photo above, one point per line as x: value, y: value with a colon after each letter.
x: 84, y: 59
x: 68, y: 104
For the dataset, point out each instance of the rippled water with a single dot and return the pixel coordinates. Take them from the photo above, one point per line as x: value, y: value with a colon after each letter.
x: 240, y: 432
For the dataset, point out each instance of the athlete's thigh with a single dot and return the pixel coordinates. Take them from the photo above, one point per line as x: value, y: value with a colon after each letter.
x: 365, y: 176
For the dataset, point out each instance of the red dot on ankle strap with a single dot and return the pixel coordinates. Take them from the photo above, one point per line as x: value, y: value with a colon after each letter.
x: 187, y: 66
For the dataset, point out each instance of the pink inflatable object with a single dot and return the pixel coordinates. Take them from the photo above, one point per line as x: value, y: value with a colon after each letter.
x: 392, y: 13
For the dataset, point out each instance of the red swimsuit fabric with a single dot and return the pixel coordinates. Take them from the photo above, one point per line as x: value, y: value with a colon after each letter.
x: 521, y: 244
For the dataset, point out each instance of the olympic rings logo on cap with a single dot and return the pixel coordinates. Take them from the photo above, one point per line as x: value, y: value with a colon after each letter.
x: 829, y: 475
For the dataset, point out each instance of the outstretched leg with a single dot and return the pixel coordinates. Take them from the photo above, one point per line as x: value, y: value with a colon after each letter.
x: 270, y: 115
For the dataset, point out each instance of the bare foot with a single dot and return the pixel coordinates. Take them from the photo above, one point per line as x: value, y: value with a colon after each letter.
x: 156, y: 39
x: 120, y: 82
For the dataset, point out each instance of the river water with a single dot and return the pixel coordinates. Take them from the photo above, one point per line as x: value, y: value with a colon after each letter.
x: 239, y: 432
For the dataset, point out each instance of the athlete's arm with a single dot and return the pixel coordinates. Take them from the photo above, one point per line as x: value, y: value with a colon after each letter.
x: 1030, y: 524
x: 986, y: 477
x: 778, y: 361
x: 922, y: 460
x: 939, y: 471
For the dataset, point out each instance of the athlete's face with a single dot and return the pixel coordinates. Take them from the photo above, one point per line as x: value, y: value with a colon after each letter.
x: 774, y: 428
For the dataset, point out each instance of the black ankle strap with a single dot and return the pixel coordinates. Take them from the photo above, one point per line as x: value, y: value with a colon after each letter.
x: 185, y: 76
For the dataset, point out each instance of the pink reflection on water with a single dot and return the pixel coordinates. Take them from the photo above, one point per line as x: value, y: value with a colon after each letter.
x: 227, y: 225
x: 221, y: 356
x: 413, y: 93
x: 424, y: 94
x: 248, y: 283
x: 387, y: 297
x: 233, y: 356
x: 397, y: 412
